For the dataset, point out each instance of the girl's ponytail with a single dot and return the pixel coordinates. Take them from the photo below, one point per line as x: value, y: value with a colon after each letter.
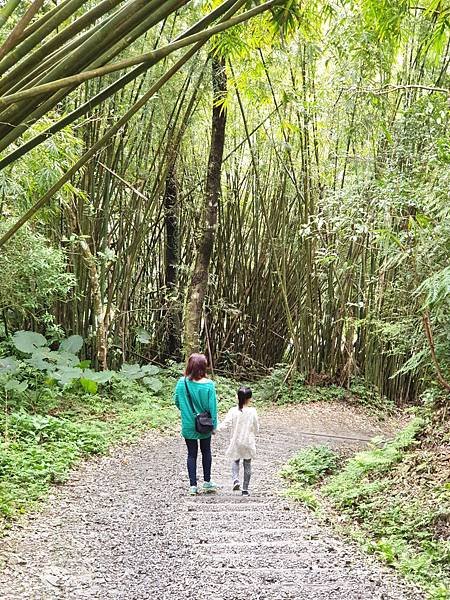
x: 244, y: 394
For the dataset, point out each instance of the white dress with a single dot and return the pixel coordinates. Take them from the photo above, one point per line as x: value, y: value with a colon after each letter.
x: 244, y: 428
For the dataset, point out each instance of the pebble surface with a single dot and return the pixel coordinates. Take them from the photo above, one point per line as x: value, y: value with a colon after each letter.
x: 123, y: 527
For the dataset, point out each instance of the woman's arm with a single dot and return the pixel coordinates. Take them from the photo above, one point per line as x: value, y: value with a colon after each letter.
x: 176, y: 397
x: 212, y: 405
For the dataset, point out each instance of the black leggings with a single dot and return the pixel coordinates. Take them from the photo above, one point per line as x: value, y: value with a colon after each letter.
x: 205, y: 447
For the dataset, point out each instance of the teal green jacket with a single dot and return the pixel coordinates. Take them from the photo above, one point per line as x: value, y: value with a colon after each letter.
x: 204, y: 398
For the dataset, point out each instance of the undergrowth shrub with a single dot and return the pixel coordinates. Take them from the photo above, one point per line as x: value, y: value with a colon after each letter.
x: 283, y: 388
x: 310, y: 465
x: 57, y: 411
x: 352, y: 483
x: 401, y: 514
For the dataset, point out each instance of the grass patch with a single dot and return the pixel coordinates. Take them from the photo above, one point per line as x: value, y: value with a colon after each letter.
x: 310, y: 465
x: 43, y: 439
x: 393, y: 497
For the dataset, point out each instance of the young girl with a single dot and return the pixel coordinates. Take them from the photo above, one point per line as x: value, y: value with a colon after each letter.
x: 244, y: 428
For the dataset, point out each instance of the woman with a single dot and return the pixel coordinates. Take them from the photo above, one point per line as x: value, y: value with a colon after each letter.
x: 203, y: 395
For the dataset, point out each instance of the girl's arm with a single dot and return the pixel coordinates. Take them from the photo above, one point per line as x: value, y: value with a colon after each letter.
x: 256, y: 423
x: 226, y: 422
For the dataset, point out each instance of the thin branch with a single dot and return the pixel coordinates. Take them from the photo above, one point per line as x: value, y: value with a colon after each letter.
x: 429, y: 334
x: 126, y: 183
x: 387, y: 89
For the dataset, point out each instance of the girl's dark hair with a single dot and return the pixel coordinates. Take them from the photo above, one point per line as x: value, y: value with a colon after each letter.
x: 244, y: 393
x: 196, y: 366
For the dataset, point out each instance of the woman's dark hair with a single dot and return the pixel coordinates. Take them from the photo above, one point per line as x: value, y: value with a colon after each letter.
x: 244, y: 394
x: 196, y: 366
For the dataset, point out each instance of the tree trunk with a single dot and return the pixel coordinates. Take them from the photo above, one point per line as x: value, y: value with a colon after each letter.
x: 98, y: 306
x: 172, y: 261
x: 199, y: 281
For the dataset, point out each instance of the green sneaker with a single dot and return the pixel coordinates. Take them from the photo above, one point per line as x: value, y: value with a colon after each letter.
x: 193, y: 490
x: 210, y: 486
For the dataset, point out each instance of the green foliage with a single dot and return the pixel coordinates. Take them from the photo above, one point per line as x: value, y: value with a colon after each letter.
x: 287, y: 16
x: 54, y: 428
x: 226, y: 390
x: 283, y: 388
x: 64, y: 366
x: 28, y: 341
x: 381, y: 489
x: 297, y: 491
x: 38, y: 450
x: 26, y: 471
x: 31, y: 176
x: 34, y: 274
x: 353, y: 484
x: 72, y: 344
x: 57, y: 410
x: 310, y: 465
x: 436, y: 288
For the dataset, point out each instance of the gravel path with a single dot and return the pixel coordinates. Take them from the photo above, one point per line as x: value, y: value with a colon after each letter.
x: 123, y: 527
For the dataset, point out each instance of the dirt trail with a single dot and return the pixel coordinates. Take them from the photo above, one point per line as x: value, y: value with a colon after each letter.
x: 124, y: 528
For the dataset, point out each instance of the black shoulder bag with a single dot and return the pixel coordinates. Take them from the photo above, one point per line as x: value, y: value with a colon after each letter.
x: 203, y: 421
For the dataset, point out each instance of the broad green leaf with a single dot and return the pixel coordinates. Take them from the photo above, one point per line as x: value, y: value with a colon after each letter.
x: 423, y: 220
x: 98, y: 376
x: 38, y: 362
x: 90, y: 386
x: 16, y: 386
x: 44, y: 352
x: 154, y: 384
x: 9, y: 365
x: 72, y: 344
x: 131, y: 371
x: 28, y: 341
x: 150, y: 369
x: 65, y: 375
x: 84, y: 364
x: 65, y: 358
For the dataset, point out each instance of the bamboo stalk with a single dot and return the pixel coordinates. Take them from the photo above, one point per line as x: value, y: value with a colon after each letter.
x: 149, y: 58
x: 227, y: 9
x: 18, y: 30
x: 8, y: 10
x: 36, y: 37
x: 44, y: 50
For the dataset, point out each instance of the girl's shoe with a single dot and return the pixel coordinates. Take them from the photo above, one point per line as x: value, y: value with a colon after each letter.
x: 236, y: 486
x: 210, y: 486
x: 193, y: 490
x: 245, y: 493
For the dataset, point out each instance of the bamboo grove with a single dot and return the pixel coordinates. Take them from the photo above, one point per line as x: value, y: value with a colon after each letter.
x: 265, y: 181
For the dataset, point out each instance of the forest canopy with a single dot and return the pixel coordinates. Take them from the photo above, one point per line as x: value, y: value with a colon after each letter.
x: 268, y: 182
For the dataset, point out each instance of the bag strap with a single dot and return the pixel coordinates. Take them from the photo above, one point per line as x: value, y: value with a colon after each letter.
x: 189, y: 397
